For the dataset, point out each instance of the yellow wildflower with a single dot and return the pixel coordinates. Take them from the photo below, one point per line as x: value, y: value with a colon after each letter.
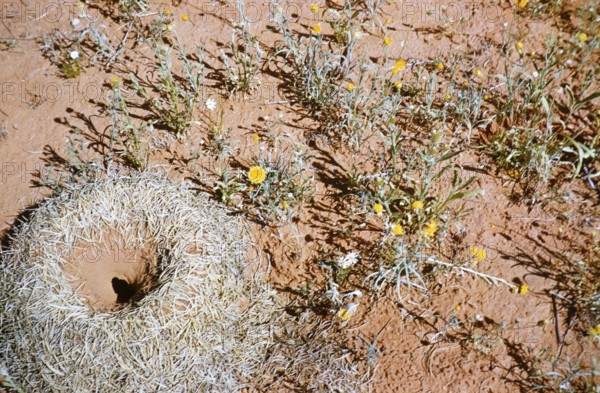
x: 387, y: 21
x: 521, y: 3
x: 167, y: 12
x: 398, y: 85
x: 519, y: 45
x: 255, y: 137
x: 114, y: 82
x: 185, y: 17
x: 314, y: 7
x: 457, y: 307
x: 257, y: 175
x: 440, y: 66
x: 251, y: 188
x: 477, y: 72
x: 447, y: 97
x: 347, y: 311
x: 417, y: 205
x: 430, y: 228
x: 478, y: 253
x: 532, y: 53
x: 350, y: 86
x: 522, y: 289
x: 378, y: 208
x: 387, y: 41
x: 514, y: 173
x: 594, y: 331
x: 316, y: 28
x: 400, y: 64
x: 582, y: 37
x: 398, y: 230
x: 285, y: 205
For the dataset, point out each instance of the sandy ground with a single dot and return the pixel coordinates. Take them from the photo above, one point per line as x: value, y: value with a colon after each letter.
x: 493, y: 343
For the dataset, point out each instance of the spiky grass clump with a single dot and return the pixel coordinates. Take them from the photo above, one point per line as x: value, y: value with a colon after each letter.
x: 205, y: 326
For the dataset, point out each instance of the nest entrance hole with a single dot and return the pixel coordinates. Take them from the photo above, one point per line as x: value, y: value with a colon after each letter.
x: 112, y: 273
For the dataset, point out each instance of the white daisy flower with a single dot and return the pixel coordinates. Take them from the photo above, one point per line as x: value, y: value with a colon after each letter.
x: 211, y: 104
x: 348, y: 260
x: 74, y: 55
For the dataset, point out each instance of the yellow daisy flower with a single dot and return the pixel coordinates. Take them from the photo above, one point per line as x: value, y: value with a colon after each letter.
x: 257, y: 175
x: 479, y: 253
x: 582, y: 37
x: 416, y: 205
x: 255, y: 138
x: 398, y: 230
x: 314, y: 7
x: 521, y: 3
x: 378, y: 208
x: 387, y: 41
x: 398, y: 85
x: 594, y: 331
x: 519, y: 45
x: 400, y: 64
x: 285, y: 205
x: 522, y: 289
x: 316, y: 28
x: 167, y: 12
x: 440, y: 66
x: 346, y: 312
x: 430, y: 228
x: 514, y: 173
x: 185, y: 17
x: 350, y: 86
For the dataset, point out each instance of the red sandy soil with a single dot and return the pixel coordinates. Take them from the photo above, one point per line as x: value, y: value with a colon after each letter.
x: 503, y: 338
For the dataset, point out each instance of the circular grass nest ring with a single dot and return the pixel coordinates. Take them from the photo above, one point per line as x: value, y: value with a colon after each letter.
x: 131, y: 284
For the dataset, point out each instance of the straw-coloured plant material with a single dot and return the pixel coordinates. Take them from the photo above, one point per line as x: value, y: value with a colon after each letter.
x: 201, y: 323
x: 137, y: 284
